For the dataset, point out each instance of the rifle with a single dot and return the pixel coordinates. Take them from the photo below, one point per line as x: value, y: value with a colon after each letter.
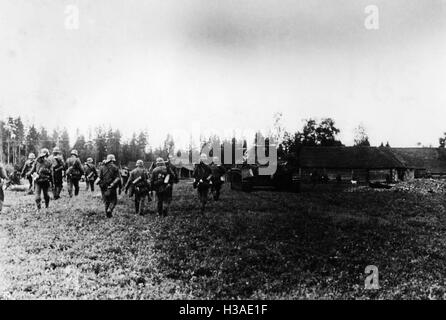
x: 114, y: 183
x: 90, y: 175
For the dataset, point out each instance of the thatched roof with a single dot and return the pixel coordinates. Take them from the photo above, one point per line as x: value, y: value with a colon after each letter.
x: 432, y: 159
x: 349, y: 158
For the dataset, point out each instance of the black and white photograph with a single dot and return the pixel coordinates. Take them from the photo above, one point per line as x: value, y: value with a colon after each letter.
x: 222, y: 150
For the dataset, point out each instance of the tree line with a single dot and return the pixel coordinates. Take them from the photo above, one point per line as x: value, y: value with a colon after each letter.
x: 19, y: 140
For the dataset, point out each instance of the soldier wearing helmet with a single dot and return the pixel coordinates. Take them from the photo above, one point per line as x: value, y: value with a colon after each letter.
x: 91, y: 174
x: 74, y: 172
x: 218, y: 172
x: 58, y: 168
x: 160, y: 182
x: 26, y: 169
x: 109, y: 181
x: 202, y: 180
x: 139, y: 185
x: 3, y: 175
x: 125, y: 175
x: 44, y: 170
x: 172, y: 170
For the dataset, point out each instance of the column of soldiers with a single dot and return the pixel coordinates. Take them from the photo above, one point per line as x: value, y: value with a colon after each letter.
x: 48, y: 171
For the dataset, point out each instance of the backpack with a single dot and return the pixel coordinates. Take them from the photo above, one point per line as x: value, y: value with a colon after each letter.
x: 74, y: 171
x: 44, y: 175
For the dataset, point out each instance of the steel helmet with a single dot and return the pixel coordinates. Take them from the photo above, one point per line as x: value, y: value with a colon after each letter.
x: 74, y: 153
x: 203, y: 157
x: 44, y: 152
x: 110, y: 157
x: 56, y: 150
x: 139, y: 163
x: 159, y: 161
x: 31, y: 156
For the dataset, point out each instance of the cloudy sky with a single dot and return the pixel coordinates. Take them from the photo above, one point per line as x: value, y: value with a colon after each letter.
x: 162, y: 65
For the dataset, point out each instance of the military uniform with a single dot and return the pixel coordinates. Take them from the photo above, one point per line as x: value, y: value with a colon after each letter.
x: 43, y: 167
x: 91, y: 174
x: 161, y: 188
x: 74, y: 172
x: 139, y: 186
x: 3, y: 175
x: 202, y: 174
x: 125, y: 175
x: 109, y: 179
x: 218, y: 171
x: 172, y: 171
x: 27, y: 168
x: 58, y: 166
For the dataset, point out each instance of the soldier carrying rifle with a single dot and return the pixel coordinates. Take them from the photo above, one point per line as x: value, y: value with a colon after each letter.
x: 109, y: 181
x: 58, y: 167
x: 43, y: 168
x: 202, y: 180
x: 26, y: 168
x: 3, y: 175
x: 218, y: 172
x: 139, y: 185
x: 161, y: 182
x: 74, y: 173
x: 91, y: 174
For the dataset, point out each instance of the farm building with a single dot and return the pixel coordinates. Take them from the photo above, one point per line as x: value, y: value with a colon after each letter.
x: 362, y: 164
x: 425, y: 161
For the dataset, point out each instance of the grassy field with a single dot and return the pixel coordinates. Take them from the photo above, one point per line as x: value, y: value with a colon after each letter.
x: 267, y: 245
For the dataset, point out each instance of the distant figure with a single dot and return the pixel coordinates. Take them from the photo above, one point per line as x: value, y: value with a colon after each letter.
x: 26, y: 168
x: 109, y: 180
x: 202, y: 181
x: 74, y: 173
x: 3, y: 175
x: 125, y: 175
x: 91, y: 174
x: 58, y: 168
x: 43, y: 168
x: 218, y: 172
x: 139, y: 185
x: 161, y: 183
x: 173, y: 172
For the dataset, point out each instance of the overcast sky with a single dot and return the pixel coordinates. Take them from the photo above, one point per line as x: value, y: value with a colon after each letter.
x: 227, y: 64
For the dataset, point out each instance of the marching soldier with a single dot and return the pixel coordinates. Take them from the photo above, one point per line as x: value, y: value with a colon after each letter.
x: 202, y: 180
x: 109, y: 180
x: 74, y: 173
x: 43, y: 168
x: 160, y: 182
x: 218, y: 172
x: 139, y: 185
x: 3, y: 175
x: 172, y: 170
x: 91, y: 174
x: 58, y: 167
x: 125, y: 175
x: 26, y: 168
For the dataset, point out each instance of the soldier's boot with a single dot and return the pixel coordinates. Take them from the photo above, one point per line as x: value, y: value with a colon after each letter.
x: 166, y: 209
x: 203, y: 205
x: 47, y: 202
x: 110, y: 210
x: 1, y: 206
x: 38, y: 204
x: 137, y: 206
x: 141, y: 206
x: 160, y: 208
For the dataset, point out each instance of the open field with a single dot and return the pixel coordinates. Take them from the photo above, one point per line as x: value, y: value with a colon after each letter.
x: 273, y: 245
